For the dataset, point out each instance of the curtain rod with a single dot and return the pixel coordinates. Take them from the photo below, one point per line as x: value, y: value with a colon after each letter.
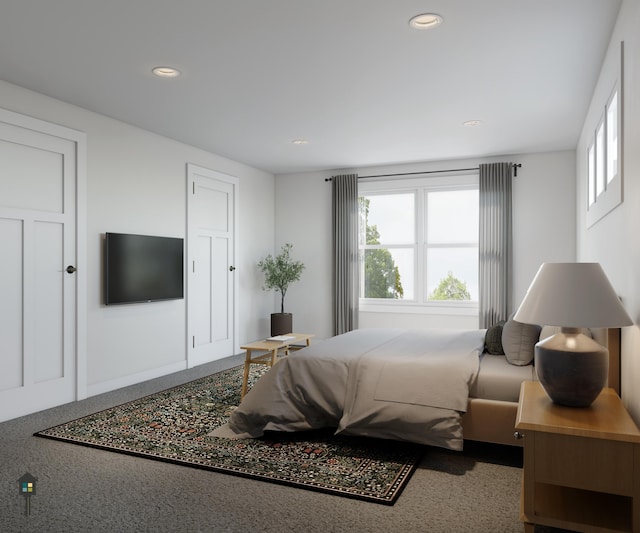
x: 515, y: 166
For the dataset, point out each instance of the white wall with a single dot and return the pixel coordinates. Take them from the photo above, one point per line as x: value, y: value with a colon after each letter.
x: 136, y: 183
x: 544, y: 224
x: 303, y: 218
x: 613, y: 241
x: 543, y: 228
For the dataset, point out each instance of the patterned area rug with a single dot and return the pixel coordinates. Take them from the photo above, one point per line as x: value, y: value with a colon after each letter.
x: 172, y: 426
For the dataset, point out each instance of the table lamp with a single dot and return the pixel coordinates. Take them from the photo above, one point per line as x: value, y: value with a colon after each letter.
x: 572, y: 368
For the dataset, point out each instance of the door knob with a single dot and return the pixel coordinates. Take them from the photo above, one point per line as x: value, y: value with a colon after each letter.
x: 71, y: 269
x: 232, y: 268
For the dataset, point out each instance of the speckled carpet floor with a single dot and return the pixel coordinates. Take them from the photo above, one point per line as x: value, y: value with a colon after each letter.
x: 83, y: 489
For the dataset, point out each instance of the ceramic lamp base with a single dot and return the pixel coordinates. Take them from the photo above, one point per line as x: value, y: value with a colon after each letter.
x: 572, y: 368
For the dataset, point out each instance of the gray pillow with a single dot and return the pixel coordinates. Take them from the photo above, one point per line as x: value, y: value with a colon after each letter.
x: 493, y: 339
x: 518, y: 341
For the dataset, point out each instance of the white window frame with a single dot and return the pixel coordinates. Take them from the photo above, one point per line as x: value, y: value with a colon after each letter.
x: 419, y: 186
x: 602, y: 198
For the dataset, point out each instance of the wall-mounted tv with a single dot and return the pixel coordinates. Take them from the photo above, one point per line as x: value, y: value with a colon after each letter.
x: 142, y: 268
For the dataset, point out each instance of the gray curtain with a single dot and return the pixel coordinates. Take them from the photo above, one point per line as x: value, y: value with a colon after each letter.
x: 495, y: 242
x: 345, y: 252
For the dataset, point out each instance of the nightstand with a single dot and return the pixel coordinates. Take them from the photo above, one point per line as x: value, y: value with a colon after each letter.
x: 581, y: 464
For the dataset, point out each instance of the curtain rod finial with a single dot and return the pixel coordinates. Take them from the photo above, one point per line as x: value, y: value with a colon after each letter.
x: 516, y: 166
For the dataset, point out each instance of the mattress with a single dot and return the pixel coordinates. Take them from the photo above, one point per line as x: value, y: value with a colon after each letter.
x: 499, y: 380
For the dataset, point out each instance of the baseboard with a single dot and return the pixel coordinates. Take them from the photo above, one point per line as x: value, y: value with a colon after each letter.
x: 133, y: 379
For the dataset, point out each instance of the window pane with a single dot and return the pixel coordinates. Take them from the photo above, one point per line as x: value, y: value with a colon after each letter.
x: 452, y: 274
x: 591, y: 174
x: 388, y: 218
x: 612, y: 138
x: 600, y: 161
x: 388, y: 273
x: 452, y: 217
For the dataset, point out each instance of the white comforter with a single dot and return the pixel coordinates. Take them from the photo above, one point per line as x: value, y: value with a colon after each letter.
x: 395, y: 384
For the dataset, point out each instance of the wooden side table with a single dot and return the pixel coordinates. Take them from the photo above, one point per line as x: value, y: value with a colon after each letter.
x: 581, y: 464
x: 269, y: 358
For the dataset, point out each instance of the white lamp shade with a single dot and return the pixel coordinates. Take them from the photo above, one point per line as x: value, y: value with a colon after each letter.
x: 572, y: 295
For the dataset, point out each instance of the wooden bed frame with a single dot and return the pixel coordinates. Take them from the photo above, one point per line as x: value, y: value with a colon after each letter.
x: 494, y: 421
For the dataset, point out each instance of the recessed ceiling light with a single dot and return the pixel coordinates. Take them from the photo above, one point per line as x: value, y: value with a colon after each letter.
x: 300, y: 141
x: 425, y: 21
x: 471, y: 123
x: 166, y: 72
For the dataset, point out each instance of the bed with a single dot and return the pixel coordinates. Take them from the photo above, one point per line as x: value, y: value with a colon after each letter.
x: 434, y: 387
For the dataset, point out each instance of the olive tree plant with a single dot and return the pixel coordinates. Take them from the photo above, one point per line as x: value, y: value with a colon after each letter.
x: 280, y: 271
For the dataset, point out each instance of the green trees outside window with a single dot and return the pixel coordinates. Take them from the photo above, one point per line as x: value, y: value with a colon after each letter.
x: 451, y: 288
x: 381, y: 275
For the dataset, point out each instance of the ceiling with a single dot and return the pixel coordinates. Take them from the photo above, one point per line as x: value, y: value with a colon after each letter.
x: 348, y: 76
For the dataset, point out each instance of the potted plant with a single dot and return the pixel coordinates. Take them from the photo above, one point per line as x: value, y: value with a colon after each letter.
x: 279, y: 272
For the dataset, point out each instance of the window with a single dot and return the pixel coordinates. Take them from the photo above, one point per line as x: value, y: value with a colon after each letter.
x: 591, y: 173
x: 604, y: 190
x: 612, y: 138
x: 451, y: 245
x: 601, y: 156
x: 419, y: 241
x: 388, y: 245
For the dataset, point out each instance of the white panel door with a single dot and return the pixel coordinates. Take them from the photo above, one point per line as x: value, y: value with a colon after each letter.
x: 211, y: 277
x: 37, y: 296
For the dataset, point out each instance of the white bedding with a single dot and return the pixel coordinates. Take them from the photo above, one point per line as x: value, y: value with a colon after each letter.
x: 500, y: 380
x: 397, y: 384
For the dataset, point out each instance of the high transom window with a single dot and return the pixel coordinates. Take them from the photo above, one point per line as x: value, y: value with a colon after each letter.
x: 604, y: 180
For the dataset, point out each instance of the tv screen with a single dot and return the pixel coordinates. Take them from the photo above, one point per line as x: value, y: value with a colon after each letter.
x: 142, y: 268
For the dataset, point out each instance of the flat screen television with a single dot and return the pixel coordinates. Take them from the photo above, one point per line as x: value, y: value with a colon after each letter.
x: 142, y: 268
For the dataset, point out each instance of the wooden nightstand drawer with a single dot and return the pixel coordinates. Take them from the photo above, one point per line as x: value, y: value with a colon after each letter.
x: 584, y: 463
